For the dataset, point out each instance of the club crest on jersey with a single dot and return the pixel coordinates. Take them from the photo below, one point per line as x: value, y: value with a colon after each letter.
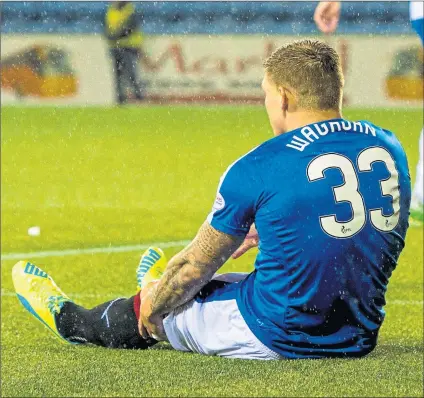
x: 219, y: 203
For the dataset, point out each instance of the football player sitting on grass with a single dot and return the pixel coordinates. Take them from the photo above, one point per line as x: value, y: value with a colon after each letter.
x: 328, y: 201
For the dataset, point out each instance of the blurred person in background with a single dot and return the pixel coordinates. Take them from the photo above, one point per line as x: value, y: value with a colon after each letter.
x: 125, y: 39
x: 327, y: 16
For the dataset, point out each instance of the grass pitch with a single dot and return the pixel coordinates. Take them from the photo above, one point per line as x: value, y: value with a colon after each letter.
x: 100, y: 177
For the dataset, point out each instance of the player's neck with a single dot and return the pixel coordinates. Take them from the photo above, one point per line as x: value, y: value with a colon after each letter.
x: 303, y: 118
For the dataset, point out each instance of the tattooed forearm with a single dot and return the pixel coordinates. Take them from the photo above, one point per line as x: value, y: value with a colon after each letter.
x: 192, y: 268
x: 210, y: 241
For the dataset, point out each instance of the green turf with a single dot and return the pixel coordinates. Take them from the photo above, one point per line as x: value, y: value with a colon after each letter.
x: 99, y: 177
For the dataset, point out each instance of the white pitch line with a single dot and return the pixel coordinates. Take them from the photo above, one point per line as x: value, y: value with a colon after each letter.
x: 111, y: 295
x: 405, y: 302
x: 121, y: 249
x: 92, y: 250
x: 8, y: 293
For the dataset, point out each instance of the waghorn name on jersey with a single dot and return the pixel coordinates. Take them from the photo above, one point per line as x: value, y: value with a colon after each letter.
x: 313, y: 132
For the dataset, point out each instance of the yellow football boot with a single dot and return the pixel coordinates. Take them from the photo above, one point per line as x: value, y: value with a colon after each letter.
x: 39, y: 294
x: 151, y: 267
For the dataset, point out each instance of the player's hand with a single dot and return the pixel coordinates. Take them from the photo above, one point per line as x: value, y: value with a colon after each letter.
x: 150, y: 325
x: 251, y: 240
x: 327, y: 15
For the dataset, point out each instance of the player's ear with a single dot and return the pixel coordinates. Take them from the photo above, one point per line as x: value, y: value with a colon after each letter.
x: 288, y: 102
x: 284, y: 99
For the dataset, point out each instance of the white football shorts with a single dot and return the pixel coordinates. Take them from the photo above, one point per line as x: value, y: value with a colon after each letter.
x: 215, y: 328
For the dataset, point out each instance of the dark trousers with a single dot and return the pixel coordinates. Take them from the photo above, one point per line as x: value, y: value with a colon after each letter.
x: 125, y: 66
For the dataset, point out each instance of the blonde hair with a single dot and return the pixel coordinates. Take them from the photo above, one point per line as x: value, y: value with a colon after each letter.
x: 312, y: 69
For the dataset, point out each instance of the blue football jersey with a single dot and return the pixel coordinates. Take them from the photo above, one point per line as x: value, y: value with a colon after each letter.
x: 416, y: 14
x: 330, y: 202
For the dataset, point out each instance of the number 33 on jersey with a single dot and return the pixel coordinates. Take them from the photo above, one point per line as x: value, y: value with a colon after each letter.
x: 349, y: 191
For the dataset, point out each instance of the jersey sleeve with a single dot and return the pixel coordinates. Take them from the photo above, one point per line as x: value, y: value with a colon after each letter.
x: 233, y: 211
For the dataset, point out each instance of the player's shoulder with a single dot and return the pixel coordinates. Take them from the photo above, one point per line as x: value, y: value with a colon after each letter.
x: 250, y: 166
x: 385, y: 136
x: 238, y: 168
x: 257, y: 160
x: 251, y: 159
x: 376, y: 128
x: 387, y: 139
x: 266, y: 150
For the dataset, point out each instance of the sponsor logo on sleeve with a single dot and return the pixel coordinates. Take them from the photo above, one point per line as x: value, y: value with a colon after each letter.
x: 219, y: 203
